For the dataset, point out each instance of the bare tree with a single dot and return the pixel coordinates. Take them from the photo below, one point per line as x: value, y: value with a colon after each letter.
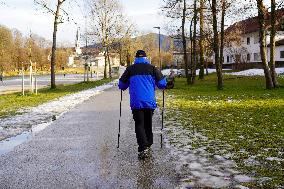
x: 178, y: 11
x: 201, y: 41
x: 185, y: 57
x: 216, y: 46
x: 223, y: 14
x: 57, y: 20
x: 262, y: 15
x: 272, y: 44
x: 194, y: 54
x: 107, y: 24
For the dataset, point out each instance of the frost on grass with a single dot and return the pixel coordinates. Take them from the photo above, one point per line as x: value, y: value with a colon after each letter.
x: 199, y: 166
x: 46, y: 112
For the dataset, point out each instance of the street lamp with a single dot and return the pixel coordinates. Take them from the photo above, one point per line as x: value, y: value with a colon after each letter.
x: 160, y: 62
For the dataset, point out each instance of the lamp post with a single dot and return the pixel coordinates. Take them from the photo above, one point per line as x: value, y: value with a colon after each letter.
x: 160, y: 62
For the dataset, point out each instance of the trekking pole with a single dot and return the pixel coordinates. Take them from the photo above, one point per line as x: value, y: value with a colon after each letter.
x: 162, y: 119
x: 118, y: 136
x: 163, y: 109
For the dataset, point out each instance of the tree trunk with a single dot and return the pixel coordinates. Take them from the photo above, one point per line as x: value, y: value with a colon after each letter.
x: 120, y: 54
x: 191, y: 46
x: 272, y: 45
x: 193, y: 67
x: 201, y: 45
x: 216, y: 47
x: 222, y: 32
x: 185, y: 58
x: 109, y: 64
x: 53, y: 51
x: 105, y: 67
x: 261, y: 20
x: 128, y: 58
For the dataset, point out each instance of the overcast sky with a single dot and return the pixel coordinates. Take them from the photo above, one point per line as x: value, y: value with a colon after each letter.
x: 25, y: 16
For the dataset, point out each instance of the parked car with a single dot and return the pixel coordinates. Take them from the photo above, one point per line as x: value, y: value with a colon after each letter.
x: 182, y: 71
x: 166, y: 72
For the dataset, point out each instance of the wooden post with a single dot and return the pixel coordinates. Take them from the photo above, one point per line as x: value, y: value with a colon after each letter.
x: 36, y: 85
x: 87, y: 72
x: 31, y: 78
x: 91, y: 69
x: 35, y: 79
x: 23, y: 80
x: 97, y: 70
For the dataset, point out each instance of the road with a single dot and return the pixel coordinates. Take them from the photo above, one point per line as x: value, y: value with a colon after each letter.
x: 79, y: 150
x: 14, y: 84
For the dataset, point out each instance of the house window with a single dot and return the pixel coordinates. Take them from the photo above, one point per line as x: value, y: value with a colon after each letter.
x: 281, y: 54
x: 248, y: 41
x: 256, y: 56
x: 248, y: 57
x: 228, y: 59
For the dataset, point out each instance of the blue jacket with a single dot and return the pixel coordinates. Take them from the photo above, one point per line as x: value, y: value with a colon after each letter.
x: 141, y: 78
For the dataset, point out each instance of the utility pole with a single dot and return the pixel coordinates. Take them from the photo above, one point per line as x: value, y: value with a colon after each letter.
x: 86, y: 52
x: 31, y: 64
x: 160, y: 61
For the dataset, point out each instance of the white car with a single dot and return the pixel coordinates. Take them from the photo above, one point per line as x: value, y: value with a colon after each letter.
x: 167, y: 72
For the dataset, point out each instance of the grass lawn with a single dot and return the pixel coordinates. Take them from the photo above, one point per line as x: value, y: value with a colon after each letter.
x: 11, y: 103
x: 245, y: 119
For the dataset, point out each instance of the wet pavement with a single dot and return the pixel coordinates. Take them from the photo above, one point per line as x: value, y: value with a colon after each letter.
x: 78, y: 150
x: 14, y: 84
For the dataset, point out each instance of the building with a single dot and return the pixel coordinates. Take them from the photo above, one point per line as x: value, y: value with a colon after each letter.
x: 98, y: 61
x: 75, y: 57
x: 279, y: 52
x: 77, y: 44
x: 178, y: 54
x: 242, y: 44
x: 178, y: 59
x: 91, y: 56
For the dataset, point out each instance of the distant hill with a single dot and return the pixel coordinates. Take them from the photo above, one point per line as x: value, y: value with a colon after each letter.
x: 165, y: 40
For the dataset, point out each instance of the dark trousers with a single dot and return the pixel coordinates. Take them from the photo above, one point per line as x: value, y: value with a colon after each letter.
x: 143, y: 127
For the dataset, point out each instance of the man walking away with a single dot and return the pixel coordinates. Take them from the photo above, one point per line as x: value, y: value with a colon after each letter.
x: 141, y: 78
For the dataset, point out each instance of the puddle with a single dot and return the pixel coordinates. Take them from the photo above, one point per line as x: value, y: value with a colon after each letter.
x: 9, y: 144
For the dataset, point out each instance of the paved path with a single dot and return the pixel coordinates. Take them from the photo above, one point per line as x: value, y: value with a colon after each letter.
x: 14, y: 84
x: 79, y: 151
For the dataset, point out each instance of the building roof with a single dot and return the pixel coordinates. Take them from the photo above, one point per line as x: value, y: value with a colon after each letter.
x: 278, y: 43
x: 251, y: 24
